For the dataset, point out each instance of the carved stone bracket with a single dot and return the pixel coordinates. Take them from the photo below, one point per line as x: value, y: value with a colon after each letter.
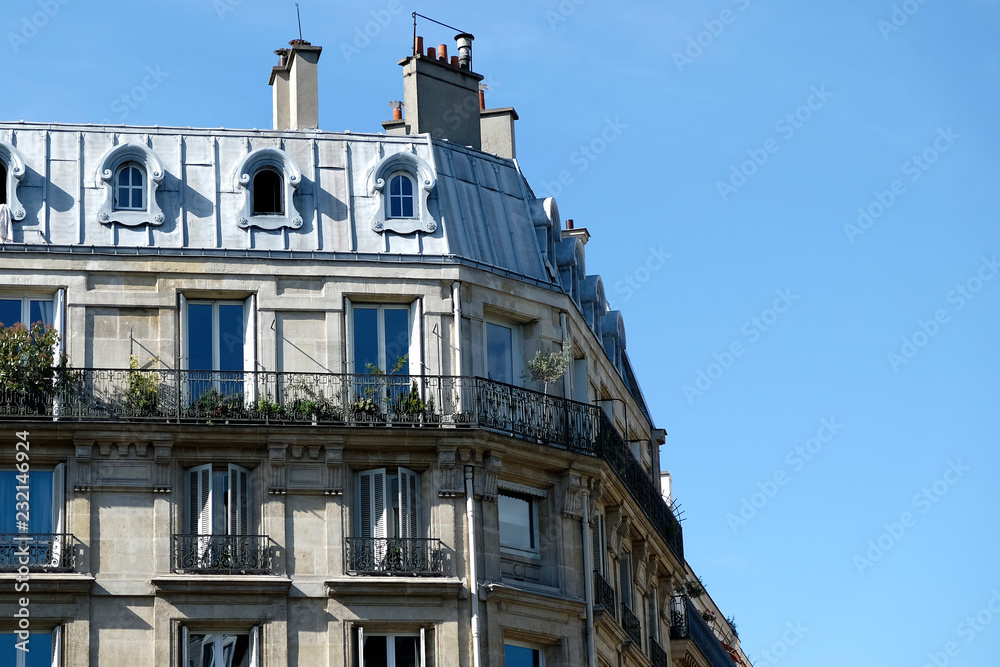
x: 84, y: 455
x: 335, y: 469
x: 277, y: 457
x: 573, y: 488
x: 450, y: 478
x: 161, y: 474
x: 619, y: 524
x: 488, y: 479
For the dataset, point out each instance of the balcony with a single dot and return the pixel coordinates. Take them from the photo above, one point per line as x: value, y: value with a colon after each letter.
x: 687, y: 628
x: 394, y: 556
x: 223, y: 554
x: 657, y: 655
x: 631, y: 626
x: 604, y: 594
x: 39, y: 552
x: 439, y: 402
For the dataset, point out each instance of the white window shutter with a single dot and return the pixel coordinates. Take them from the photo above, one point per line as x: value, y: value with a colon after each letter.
x: 349, y: 337
x: 250, y: 349
x: 423, y: 648
x: 58, y: 512
x: 238, y: 522
x: 373, y: 503
x: 409, y: 504
x: 59, y: 322
x: 57, y: 646
x: 199, y: 500
x: 254, y: 646
x: 361, y: 647
x: 416, y: 357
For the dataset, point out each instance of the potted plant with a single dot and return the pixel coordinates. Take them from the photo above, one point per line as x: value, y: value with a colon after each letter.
x: 30, y: 373
x: 142, y: 390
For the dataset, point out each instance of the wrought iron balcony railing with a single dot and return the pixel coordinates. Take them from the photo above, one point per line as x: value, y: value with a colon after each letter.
x: 657, y: 655
x: 604, y: 594
x: 223, y: 554
x: 39, y: 552
x: 427, y: 401
x: 686, y: 623
x: 631, y: 625
x: 394, y: 556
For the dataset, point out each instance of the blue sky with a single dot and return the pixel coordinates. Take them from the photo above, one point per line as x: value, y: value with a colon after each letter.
x: 832, y: 161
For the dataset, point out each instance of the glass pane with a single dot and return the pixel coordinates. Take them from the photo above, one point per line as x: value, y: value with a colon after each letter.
x: 200, y: 336
x: 137, y: 198
x: 230, y: 337
x: 519, y: 656
x: 406, y: 185
x: 123, y: 177
x: 376, y: 652
x: 406, y: 651
x: 408, y: 207
x: 515, y: 522
x: 236, y: 650
x: 365, y: 339
x: 39, y: 501
x: 397, y: 339
x: 394, y: 186
x: 499, y: 353
x: 136, y: 176
x: 41, y: 311
x: 395, y: 207
x: 10, y: 312
x: 39, y: 653
x: 201, y: 650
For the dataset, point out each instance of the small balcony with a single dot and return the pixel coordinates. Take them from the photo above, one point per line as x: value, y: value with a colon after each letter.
x: 387, y: 556
x: 604, y: 594
x: 223, y: 554
x: 688, y: 630
x: 631, y: 626
x: 39, y: 552
x: 657, y: 655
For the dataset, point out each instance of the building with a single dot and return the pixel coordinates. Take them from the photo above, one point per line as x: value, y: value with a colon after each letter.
x: 296, y: 424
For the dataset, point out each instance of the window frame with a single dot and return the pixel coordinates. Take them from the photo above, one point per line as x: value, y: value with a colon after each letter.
x: 254, y: 634
x: 118, y: 187
x: 110, y: 165
x: 423, y: 180
x: 282, y: 164
x: 14, y: 166
x: 250, y: 338
x: 516, y: 350
x: 419, y: 633
x: 279, y: 197
x: 626, y: 591
x: 407, y: 177
x: 380, y: 310
x: 539, y: 651
x: 235, y: 499
x: 56, y: 635
x: 532, y: 497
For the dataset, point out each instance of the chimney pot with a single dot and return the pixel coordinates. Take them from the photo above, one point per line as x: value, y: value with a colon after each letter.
x: 443, y: 52
x: 418, y: 47
x: 464, y: 43
x: 454, y: 61
x: 431, y: 53
x: 397, y: 113
x: 569, y: 223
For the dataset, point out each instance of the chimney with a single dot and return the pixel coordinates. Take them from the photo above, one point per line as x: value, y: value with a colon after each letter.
x: 441, y: 95
x: 294, y: 84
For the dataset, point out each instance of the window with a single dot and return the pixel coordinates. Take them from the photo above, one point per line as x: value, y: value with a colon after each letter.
x: 517, y: 655
x: 267, y: 195
x: 40, y: 649
x: 3, y: 183
x: 27, y: 310
x: 654, y: 617
x: 46, y: 515
x: 518, y: 521
x: 389, y: 526
x: 400, y: 197
x: 130, y: 188
x: 219, y: 347
x: 600, y: 545
x: 381, y: 336
x: 378, y: 649
x: 220, y: 649
x: 500, y: 352
x: 625, y: 578
x: 218, y: 500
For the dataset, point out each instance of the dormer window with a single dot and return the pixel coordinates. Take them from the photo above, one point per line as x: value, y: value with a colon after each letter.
x: 130, y: 188
x: 12, y: 171
x: 268, y: 178
x: 3, y: 180
x: 400, y: 197
x: 267, y: 193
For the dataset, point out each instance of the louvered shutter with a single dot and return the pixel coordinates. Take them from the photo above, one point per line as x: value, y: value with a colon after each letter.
x: 373, y: 503
x: 409, y: 504
x: 199, y: 500
x: 597, y: 539
x: 58, y: 512
x: 238, y: 522
x: 255, y: 646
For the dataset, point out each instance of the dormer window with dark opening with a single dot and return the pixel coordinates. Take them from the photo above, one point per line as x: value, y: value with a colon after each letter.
x: 3, y: 183
x: 267, y: 197
x: 130, y: 188
x: 400, y: 197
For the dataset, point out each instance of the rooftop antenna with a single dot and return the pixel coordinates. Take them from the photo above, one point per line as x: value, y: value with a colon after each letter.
x: 299, y: 15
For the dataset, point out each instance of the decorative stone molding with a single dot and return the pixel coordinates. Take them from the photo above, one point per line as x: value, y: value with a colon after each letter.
x: 108, y: 166
x: 573, y: 488
x: 488, y: 479
x: 277, y: 457
x: 378, y: 182
x: 291, y: 178
x: 84, y: 455
x: 14, y: 162
x: 450, y: 484
x: 335, y: 470
x: 620, y: 525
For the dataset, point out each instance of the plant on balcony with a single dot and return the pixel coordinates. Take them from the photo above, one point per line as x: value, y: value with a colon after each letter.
x: 549, y: 368
x: 269, y: 409
x: 731, y: 620
x: 29, y: 368
x: 214, y: 404
x: 692, y: 588
x: 142, y: 389
x: 708, y: 616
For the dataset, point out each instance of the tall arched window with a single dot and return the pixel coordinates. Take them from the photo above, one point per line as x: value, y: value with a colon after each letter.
x: 267, y: 199
x: 400, y: 197
x: 3, y: 183
x: 130, y: 188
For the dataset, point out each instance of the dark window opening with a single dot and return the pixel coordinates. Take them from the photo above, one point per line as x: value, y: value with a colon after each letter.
x: 267, y: 198
x: 130, y: 188
x: 400, y: 197
x: 3, y: 183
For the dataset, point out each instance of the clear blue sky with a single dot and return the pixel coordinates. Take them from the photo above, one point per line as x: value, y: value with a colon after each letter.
x: 838, y: 106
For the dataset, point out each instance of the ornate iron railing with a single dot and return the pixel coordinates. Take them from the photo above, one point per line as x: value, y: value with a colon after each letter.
x: 657, y: 654
x: 686, y: 623
x: 236, y: 397
x: 631, y: 625
x: 394, y: 555
x: 604, y: 594
x: 223, y: 554
x: 39, y: 552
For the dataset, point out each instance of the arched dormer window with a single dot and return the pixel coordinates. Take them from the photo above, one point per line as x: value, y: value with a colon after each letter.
x: 402, y: 184
x: 400, y: 197
x: 130, y: 175
x: 12, y: 170
x: 267, y: 199
x: 268, y: 178
x: 130, y: 188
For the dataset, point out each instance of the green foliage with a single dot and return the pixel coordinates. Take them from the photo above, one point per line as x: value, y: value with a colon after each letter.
x: 693, y: 588
x: 28, y: 363
x: 548, y: 368
x: 269, y: 408
x: 143, y: 389
x: 410, y: 403
x: 212, y: 403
